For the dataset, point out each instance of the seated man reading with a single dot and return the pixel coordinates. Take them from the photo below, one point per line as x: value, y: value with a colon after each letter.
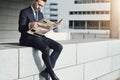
x: 28, y: 25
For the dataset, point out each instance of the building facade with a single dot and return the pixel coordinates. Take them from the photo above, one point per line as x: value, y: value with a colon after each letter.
x: 81, y: 15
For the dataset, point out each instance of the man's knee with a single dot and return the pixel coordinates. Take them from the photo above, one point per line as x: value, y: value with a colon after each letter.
x: 46, y: 51
x: 60, y: 47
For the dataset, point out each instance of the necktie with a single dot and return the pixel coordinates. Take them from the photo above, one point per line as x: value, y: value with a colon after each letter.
x: 36, y: 17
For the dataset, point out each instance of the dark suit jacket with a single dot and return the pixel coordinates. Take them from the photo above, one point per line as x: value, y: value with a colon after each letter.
x: 26, y: 15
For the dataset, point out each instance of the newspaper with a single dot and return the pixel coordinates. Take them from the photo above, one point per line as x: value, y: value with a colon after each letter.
x: 44, y: 26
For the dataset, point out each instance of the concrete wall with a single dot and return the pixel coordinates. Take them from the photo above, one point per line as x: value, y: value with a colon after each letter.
x: 79, y: 60
x: 9, y: 12
x: 115, y: 75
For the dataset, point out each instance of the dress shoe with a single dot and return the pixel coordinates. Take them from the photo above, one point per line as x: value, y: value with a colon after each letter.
x: 55, y: 77
x: 45, y: 75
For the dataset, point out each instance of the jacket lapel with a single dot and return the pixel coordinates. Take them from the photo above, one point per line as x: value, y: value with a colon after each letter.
x: 31, y: 14
x: 40, y: 15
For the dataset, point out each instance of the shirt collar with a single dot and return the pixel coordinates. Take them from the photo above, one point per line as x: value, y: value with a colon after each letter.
x: 33, y: 10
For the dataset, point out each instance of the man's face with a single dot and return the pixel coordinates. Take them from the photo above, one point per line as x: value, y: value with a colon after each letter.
x: 38, y: 4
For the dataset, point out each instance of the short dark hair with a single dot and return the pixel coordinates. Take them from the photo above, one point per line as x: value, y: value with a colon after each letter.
x: 44, y: 0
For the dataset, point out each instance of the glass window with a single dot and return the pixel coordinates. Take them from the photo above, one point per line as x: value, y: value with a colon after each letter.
x: 79, y: 1
x: 107, y: 12
x: 90, y: 1
x: 71, y: 13
x: 97, y: 12
x: 105, y: 24
x: 93, y: 24
x: 79, y: 24
x: 71, y: 26
x: 76, y: 24
x: 93, y: 1
x: 75, y: 12
x: 53, y: 4
x: 53, y: 15
x: 84, y: 12
x: 102, y: 12
x: 52, y: 9
x: 79, y: 12
x: 88, y: 12
x: 92, y: 12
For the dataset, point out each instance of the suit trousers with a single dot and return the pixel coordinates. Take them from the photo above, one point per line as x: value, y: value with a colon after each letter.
x: 44, y: 44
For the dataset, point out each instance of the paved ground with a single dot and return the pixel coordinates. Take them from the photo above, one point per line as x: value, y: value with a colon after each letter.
x: 118, y: 79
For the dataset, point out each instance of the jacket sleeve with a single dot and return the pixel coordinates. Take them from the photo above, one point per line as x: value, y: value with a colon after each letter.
x: 23, y: 23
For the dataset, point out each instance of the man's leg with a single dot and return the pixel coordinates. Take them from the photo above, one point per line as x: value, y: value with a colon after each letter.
x: 57, y: 48
x: 40, y: 43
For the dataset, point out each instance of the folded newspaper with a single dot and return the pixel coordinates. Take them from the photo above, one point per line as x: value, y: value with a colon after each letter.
x: 44, y: 26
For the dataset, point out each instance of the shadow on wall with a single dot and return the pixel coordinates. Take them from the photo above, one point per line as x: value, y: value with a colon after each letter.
x: 38, y: 60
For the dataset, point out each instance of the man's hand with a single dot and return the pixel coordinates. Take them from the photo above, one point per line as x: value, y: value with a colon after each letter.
x: 33, y: 24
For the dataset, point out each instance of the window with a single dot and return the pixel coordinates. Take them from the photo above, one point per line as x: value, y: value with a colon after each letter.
x: 90, y: 1
x: 71, y: 13
x: 105, y: 24
x: 71, y: 25
x: 93, y: 24
x: 88, y: 12
x: 76, y: 24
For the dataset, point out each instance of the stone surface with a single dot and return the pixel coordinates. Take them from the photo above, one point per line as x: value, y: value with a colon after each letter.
x: 97, y: 68
x: 71, y: 73
x: 30, y: 62
x: 8, y: 64
x: 91, y: 51
x: 67, y: 56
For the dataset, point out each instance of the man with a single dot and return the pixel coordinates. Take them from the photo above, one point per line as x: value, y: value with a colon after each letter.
x: 28, y: 18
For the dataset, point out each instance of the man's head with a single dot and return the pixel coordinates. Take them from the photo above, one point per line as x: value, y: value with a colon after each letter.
x: 38, y: 4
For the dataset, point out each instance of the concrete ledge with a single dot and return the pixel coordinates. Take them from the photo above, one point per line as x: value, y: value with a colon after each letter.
x: 115, y: 75
x: 85, y: 59
x: 88, y: 34
x: 8, y: 64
